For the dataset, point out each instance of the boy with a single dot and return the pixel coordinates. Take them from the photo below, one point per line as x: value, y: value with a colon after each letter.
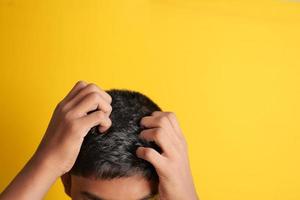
x: 108, y: 145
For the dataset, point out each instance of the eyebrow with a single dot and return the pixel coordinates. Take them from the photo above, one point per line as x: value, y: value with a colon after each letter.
x: 95, y: 197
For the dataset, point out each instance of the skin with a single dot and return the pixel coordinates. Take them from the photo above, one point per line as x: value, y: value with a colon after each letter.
x: 59, y: 148
x: 115, y: 189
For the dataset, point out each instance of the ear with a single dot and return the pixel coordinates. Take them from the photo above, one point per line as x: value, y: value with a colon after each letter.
x: 66, y: 180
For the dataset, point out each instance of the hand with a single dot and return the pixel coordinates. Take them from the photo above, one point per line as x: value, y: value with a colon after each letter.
x: 70, y: 123
x: 172, y: 166
x: 61, y: 143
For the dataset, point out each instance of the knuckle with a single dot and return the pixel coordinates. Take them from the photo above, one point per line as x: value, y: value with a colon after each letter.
x: 64, y: 107
x: 109, y: 122
x: 59, y: 106
x: 163, y: 121
x: 171, y: 114
x: 158, y: 133
x: 94, y: 96
x: 93, y: 87
x: 68, y: 116
x: 109, y: 98
x: 148, y: 153
x: 109, y: 108
x: 99, y: 115
x: 80, y: 82
x: 105, y: 107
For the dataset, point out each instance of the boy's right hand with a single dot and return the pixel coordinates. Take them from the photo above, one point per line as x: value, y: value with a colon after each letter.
x: 70, y: 123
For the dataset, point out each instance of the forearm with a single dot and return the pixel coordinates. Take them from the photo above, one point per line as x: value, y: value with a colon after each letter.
x: 32, y: 182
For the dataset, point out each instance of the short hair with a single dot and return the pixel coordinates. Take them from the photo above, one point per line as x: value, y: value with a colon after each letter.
x: 112, y: 154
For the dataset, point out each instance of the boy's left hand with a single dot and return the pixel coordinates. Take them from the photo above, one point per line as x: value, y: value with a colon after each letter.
x: 172, y: 166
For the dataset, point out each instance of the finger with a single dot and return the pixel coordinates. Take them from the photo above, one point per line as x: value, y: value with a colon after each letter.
x: 155, y: 122
x: 90, y: 88
x: 91, y: 102
x: 104, y: 94
x: 171, y: 116
x: 158, y: 136
x: 96, y: 118
x: 173, y: 121
x: 76, y: 88
x: 152, y: 156
x: 162, y: 119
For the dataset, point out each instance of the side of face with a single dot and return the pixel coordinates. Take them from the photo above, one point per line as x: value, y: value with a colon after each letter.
x: 125, y: 188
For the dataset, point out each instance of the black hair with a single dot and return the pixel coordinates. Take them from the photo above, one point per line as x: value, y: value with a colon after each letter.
x: 112, y: 154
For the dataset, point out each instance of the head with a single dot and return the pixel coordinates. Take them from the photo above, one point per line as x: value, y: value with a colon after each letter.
x: 107, y: 167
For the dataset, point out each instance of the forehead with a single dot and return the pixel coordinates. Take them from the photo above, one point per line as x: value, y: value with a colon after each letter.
x: 129, y: 188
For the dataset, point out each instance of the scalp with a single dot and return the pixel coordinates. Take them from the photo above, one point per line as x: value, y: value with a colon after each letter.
x: 112, y: 154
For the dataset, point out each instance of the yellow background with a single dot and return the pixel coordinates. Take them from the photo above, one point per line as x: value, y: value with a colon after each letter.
x: 229, y: 69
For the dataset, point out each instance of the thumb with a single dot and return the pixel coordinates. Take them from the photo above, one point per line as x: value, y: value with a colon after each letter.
x: 152, y: 156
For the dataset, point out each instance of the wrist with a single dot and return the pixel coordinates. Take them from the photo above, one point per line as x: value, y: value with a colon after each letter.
x: 45, y: 163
